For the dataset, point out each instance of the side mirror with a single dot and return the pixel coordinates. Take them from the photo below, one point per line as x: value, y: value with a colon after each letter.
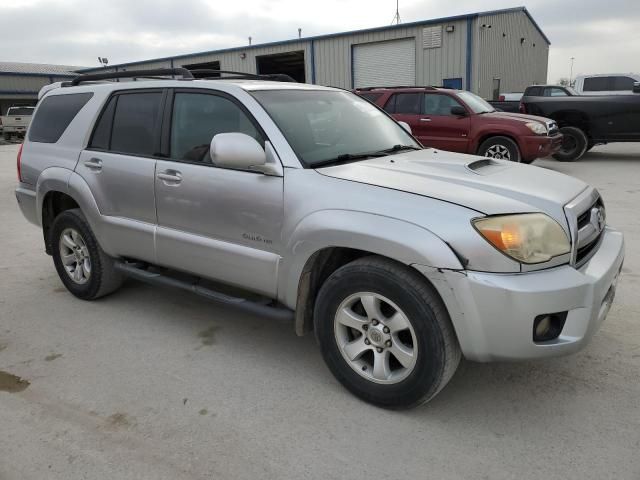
x: 458, y: 111
x: 238, y: 151
x: 636, y: 87
x: 406, y: 126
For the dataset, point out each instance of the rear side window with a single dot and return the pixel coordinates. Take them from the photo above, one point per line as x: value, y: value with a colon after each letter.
x: 372, y: 97
x: 596, y: 84
x: 102, y: 134
x: 534, y: 92
x: 135, y: 123
x: 54, y: 116
x: 554, y: 92
x: 406, y: 103
x: 621, y: 83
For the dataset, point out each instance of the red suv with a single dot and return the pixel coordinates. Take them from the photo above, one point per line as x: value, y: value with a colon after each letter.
x: 460, y: 121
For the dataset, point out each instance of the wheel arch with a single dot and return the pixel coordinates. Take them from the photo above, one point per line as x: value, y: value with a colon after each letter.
x: 495, y: 133
x: 60, y: 189
x: 326, y: 240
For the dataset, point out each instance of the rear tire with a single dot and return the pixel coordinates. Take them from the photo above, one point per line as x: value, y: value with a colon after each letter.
x: 502, y: 148
x: 85, y: 270
x: 412, y: 351
x: 574, y: 145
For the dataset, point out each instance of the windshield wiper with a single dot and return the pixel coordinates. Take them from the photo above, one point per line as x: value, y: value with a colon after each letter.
x: 348, y: 157
x: 352, y: 157
x: 399, y: 148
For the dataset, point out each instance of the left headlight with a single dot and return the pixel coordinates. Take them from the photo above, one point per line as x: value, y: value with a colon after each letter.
x: 527, y: 238
x: 537, y: 128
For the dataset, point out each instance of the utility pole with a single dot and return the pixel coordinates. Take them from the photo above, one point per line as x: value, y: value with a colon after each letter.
x: 396, y: 17
x: 571, y: 74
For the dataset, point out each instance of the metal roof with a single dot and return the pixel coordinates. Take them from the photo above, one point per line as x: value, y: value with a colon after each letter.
x: 37, y: 69
x: 339, y: 34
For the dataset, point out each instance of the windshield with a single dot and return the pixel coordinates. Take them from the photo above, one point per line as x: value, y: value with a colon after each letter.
x: 475, y: 103
x: 322, y: 126
x: 23, y: 111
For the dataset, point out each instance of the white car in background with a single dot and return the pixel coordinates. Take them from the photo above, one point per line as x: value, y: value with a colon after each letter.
x: 606, y: 84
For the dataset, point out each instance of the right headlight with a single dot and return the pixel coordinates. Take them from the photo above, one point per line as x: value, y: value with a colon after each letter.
x: 527, y: 238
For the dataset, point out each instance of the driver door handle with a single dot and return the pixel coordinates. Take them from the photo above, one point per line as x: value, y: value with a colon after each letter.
x: 425, y: 119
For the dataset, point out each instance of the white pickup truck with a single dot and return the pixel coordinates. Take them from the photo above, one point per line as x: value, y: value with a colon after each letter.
x: 16, y: 121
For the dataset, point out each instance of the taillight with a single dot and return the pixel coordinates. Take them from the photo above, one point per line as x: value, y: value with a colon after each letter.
x: 501, y: 98
x: 522, y: 108
x: 19, y: 163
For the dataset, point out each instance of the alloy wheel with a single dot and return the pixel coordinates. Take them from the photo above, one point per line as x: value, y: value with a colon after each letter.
x: 74, y: 255
x: 375, y: 338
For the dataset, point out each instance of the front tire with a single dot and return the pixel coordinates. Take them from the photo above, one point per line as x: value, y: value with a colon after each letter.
x: 574, y: 145
x: 85, y: 270
x: 501, y: 148
x: 385, y: 334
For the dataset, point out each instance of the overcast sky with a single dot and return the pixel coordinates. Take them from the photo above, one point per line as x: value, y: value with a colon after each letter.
x: 603, y: 36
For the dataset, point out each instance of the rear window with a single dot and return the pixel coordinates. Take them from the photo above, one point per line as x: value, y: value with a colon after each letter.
x: 406, y: 103
x: 55, y: 113
x: 20, y: 111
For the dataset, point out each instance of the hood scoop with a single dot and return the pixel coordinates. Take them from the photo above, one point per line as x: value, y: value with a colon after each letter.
x: 486, y: 166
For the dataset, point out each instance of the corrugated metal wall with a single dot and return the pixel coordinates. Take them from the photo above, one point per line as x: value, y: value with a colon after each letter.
x: 333, y: 55
x: 499, y: 53
x: 23, y: 83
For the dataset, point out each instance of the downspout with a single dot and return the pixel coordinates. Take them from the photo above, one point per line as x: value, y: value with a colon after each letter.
x: 469, y: 52
x: 313, y: 63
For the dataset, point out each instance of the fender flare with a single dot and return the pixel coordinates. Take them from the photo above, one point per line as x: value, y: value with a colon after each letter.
x: 400, y: 240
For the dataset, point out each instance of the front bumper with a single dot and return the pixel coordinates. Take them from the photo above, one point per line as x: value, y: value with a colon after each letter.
x: 493, y: 314
x: 539, y: 146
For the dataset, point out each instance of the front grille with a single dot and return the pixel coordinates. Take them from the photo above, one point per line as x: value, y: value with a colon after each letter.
x: 584, y: 253
x: 586, y: 216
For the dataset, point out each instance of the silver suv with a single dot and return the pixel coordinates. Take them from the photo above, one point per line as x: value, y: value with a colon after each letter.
x: 314, y: 203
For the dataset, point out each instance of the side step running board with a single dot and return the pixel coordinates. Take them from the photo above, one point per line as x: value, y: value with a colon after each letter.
x: 156, y: 278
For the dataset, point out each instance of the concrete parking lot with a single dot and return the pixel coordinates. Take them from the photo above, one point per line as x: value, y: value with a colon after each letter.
x: 155, y: 383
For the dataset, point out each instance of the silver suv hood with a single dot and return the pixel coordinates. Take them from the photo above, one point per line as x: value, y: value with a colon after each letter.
x: 485, y: 185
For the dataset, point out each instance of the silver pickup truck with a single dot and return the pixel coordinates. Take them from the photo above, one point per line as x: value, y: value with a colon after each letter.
x: 16, y: 121
x: 315, y: 204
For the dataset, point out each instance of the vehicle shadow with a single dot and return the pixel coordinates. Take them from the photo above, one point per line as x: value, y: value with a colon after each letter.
x: 479, y: 392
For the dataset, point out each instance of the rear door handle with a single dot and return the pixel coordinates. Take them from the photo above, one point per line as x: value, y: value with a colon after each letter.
x: 170, y: 177
x: 94, y: 164
x: 425, y: 119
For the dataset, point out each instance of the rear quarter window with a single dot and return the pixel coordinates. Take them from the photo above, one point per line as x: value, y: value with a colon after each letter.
x: 55, y: 113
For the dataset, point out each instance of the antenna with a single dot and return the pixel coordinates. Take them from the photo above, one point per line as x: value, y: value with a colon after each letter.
x: 396, y: 17
x: 249, y: 40
x: 299, y: 33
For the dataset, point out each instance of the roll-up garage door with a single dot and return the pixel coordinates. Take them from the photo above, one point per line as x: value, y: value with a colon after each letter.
x: 384, y: 63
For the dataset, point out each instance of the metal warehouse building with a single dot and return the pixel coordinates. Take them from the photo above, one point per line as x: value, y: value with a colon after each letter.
x: 488, y: 52
x: 21, y: 82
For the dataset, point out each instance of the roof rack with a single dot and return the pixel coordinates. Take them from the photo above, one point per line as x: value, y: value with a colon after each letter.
x: 217, y: 75
x: 186, y: 75
x: 426, y: 87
